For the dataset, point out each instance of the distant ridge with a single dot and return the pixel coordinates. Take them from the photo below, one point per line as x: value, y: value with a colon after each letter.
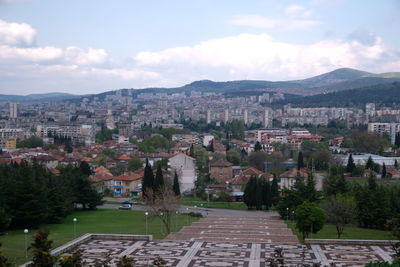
x: 337, y: 80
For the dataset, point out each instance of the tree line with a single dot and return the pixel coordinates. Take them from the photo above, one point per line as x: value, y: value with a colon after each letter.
x: 31, y: 195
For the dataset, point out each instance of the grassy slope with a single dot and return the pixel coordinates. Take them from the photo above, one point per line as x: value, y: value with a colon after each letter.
x: 191, y: 201
x: 350, y: 232
x: 98, y: 221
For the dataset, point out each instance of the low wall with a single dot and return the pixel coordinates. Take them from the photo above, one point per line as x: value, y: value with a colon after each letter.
x: 313, y: 241
x: 87, y: 237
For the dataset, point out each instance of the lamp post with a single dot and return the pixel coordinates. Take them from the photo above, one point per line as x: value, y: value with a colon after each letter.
x: 147, y: 228
x: 176, y: 220
x: 187, y: 216
x: 287, y: 214
x: 26, y: 231
x: 74, y: 220
x: 161, y: 221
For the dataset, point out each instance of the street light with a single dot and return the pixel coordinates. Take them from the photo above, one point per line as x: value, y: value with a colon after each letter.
x: 176, y: 220
x: 74, y: 220
x: 287, y: 214
x: 187, y: 216
x: 26, y: 231
x: 146, y: 214
x: 161, y: 215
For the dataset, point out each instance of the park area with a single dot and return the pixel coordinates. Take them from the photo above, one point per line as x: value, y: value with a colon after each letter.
x: 95, y: 221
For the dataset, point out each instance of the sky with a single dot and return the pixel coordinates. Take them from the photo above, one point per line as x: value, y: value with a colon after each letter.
x: 92, y: 46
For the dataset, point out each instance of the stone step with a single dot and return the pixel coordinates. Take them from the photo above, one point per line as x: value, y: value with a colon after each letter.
x: 234, y: 238
x: 192, y: 229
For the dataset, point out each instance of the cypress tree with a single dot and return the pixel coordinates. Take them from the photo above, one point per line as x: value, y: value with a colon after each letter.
x: 300, y: 161
x: 191, y: 151
x: 274, y: 191
x: 383, y: 170
x: 266, y: 194
x: 369, y: 164
x: 397, y: 140
x: 249, y: 197
x: 148, y: 179
x: 395, y: 163
x: 259, y: 193
x: 176, y: 188
x: 350, y: 164
x: 257, y: 146
x: 159, y: 181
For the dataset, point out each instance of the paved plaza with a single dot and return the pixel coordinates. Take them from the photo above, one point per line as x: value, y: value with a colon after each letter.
x: 231, y: 241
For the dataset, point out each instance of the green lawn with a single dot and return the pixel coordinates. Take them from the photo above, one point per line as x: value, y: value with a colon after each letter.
x: 199, y: 202
x: 97, y: 221
x: 350, y: 232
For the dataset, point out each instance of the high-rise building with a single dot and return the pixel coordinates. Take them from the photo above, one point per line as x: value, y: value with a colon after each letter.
x: 245, y: 116
x: 267, y: 117
x: 13, y: 110
x: 208, y: 116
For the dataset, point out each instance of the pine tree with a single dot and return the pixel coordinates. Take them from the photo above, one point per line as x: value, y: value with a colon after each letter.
x: 350, y: 164
x: 311, y: 192
x: 370, y: 164
x: 383, y: 170
x: 249, y: 197
x: 176, y: 188
x: 68, y: 146
x: 397, y: 140
x: 257, y: 146
x: 41, y: 247
x: 85, y: 168
x: 266, y: 194
x: 158, y: 181
x: 148, y: 179
x: 259, y: 193
x: 395, y: 163
x: 300, y: 161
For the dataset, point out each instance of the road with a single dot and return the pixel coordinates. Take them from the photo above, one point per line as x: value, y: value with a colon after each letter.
x: 205, y: 211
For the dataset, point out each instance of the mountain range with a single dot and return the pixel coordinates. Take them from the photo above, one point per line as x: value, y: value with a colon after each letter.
x: 337, y: 80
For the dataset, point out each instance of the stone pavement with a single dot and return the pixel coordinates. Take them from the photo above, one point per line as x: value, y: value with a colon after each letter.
x: 236, y: 229
x: 233, y: 242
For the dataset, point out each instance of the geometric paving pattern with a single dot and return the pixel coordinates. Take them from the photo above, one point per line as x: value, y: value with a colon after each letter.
x: 231, y: 242
x: 196, y: 254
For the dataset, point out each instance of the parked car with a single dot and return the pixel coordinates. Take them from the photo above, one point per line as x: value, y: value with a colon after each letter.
x: 125, y: 207
x: 128, y: 202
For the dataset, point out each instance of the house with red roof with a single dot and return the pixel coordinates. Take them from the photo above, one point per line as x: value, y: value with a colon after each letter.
x: 288, y: 178
x: 128, y: 184
x: 221, y: 171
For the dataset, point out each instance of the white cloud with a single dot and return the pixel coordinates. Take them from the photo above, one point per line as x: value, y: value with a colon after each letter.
x: 78, y: 56
x: 257, y: 21
x: 16, y: 34
x: 255, y: 56
x: 297, y: 11
x: 33, y: 54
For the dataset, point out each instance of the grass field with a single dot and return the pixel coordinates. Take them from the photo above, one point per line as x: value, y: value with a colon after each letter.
x: 97, y: 221
x: 199, y: 202
x: 350, y: 232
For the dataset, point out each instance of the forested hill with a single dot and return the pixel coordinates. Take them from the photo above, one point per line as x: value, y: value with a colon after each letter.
x: 381, y: 95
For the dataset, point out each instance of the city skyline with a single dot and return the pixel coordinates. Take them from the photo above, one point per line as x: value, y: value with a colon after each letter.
x: 91, y: 47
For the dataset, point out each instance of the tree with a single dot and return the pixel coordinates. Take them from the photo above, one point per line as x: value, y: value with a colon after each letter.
x: 257, y: 159
x: 125, y: 261
x: 300, y: 161
x: 340, y: 211
x: 249, y: 197
x: 395, y: 163
x: 370, y: 164
x: 85, y: 168
x: 191, y: 151
x: 350, y: 164
x: 176, y: 188
x: 274, y: 191
x: 148, y: 179
x: 257, y: 146
x: 383, y: 170
x: 397, y: 140
x: 4, y: 262
x: 73, y: 260
x: 266, y: 194
x: 310, y: 191
x: 158, y: 181
x: 68, y: 146
x: 41, y: 247
x: 134, y: 164
x: 309, y: 218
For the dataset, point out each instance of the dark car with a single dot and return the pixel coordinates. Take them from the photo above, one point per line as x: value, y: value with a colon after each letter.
x: 128, y: 202
x: 125, y: 207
